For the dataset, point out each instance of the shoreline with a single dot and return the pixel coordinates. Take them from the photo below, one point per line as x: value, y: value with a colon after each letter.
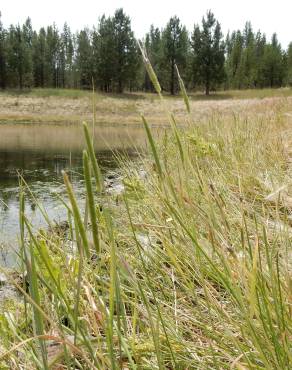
x: 126, y: 111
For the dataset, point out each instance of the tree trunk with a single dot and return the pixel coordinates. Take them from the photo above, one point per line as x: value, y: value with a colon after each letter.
x: 207, y: 78
x: 120, y: 87
x: 172, y: 78
x: 207, y: 88
x: 2, y: 78
x: 20, y: 78
x: 42, y: 82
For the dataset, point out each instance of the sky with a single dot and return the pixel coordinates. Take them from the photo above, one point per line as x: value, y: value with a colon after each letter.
x: 267, y: 15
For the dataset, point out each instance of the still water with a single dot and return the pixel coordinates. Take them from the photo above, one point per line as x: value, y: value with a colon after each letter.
x: 39, y: 153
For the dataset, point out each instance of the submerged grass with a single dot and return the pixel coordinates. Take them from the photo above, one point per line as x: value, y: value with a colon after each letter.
x: 192, y: 269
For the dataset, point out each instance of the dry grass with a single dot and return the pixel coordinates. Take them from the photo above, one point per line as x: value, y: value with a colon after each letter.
x: 125, y: 111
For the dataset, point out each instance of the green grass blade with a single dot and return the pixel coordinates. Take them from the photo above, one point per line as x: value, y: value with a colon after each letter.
x: 90, y: 201
x: 76, y: 214
x: 93, y: 160
x: 153, y: 146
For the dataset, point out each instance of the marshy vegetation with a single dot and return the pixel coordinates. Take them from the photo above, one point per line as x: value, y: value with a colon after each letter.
x: 188, y: 268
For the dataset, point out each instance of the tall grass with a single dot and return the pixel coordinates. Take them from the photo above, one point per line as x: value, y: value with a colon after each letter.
x: 191, y: 271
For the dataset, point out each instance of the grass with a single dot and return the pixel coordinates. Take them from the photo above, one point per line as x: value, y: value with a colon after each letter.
x: 47, y: 107
x: 47, y: 92
x: 188, y: 269
x: 69, y: 93
x: 245, y: 94
x: 79, y: 94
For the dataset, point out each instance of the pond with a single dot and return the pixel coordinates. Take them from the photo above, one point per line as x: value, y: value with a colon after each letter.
x: 39, y: 153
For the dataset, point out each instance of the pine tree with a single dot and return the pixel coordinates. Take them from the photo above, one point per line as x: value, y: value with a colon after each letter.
x: 3, y: 56
x: 208, y: 53
x: 260, y: 44
x: 125, y: 51
x: 104, y: 58
x: 289, y: 64
x: 52, y: 55
x: 248, y: 57
x: 115, y: 53
x: 84, y: 59
x: 19, y: 57
x: 273, y: 63
x: 175, y: 45
x: 66, y: 54
x: 39, y: 58
x: 234, y: 53
x: 27, y: 32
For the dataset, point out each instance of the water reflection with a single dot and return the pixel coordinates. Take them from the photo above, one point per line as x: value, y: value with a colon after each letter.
x: 40, y: 153
x: 64, y: 139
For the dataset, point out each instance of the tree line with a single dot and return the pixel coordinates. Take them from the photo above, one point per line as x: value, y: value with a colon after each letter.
x: 108, y: 56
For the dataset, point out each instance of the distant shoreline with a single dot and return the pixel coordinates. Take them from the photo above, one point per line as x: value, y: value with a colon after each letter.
x: 72, y: 107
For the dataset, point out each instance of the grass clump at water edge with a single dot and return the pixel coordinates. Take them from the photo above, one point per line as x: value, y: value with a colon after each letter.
x: 191, y: 270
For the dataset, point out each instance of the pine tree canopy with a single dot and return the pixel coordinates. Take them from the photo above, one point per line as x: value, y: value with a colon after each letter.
x: 108, y: 56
